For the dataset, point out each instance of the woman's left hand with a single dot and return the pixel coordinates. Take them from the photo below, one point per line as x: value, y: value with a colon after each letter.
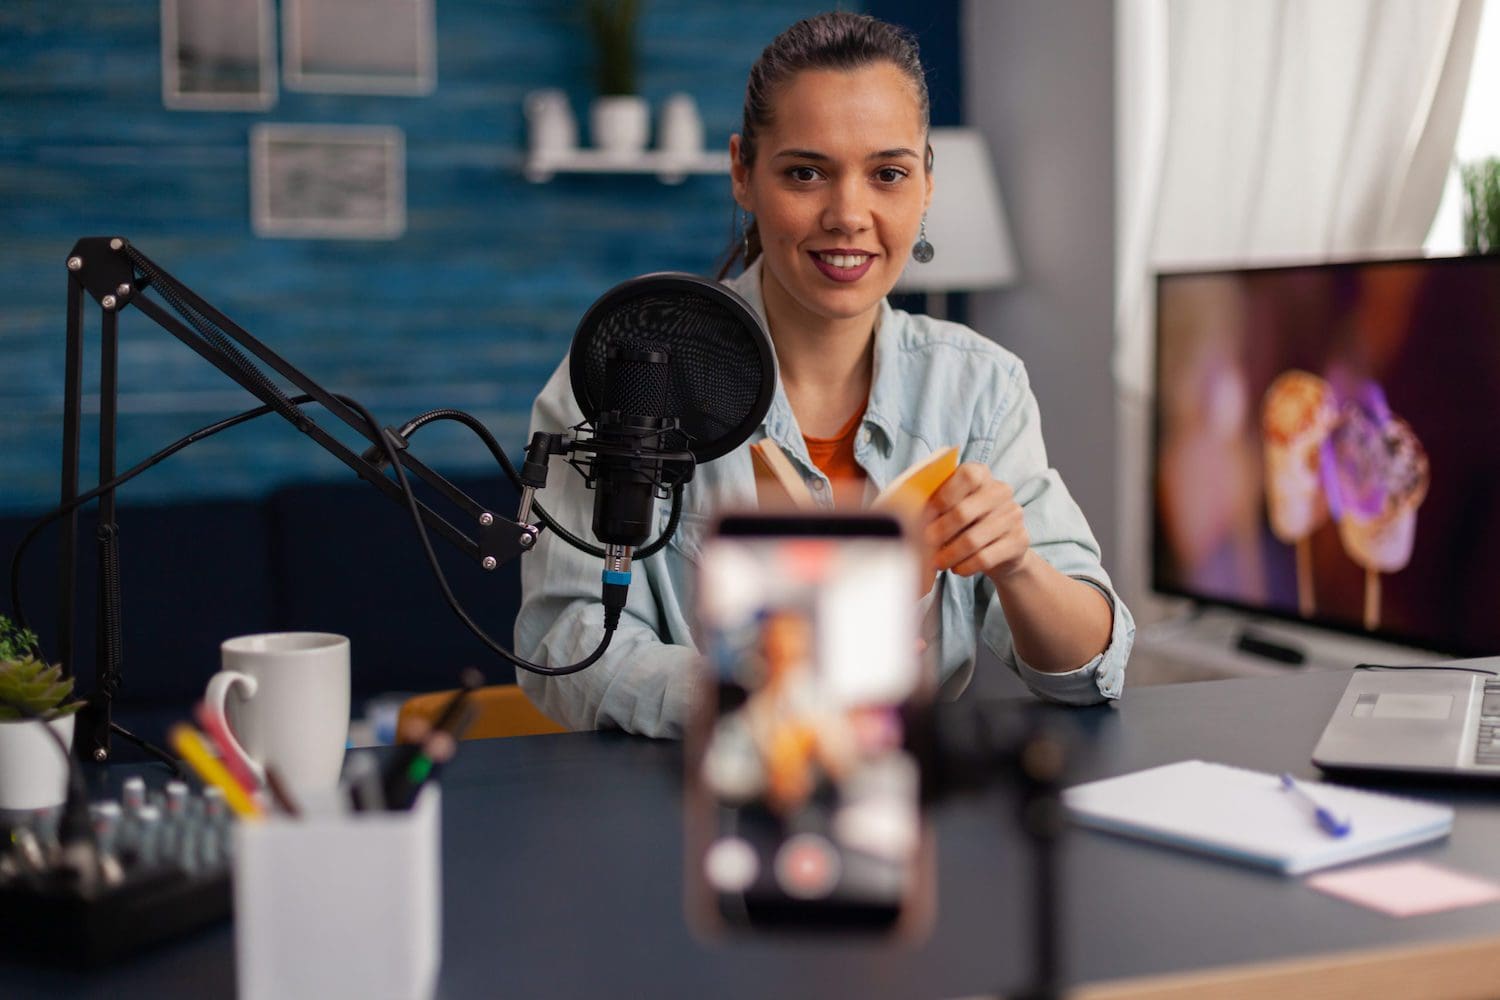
x: 974, y: 525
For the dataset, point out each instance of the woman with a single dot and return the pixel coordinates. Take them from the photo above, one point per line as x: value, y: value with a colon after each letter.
x: 833, y: 167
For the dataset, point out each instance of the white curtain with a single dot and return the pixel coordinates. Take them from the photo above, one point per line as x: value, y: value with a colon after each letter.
x: 1268, y: 131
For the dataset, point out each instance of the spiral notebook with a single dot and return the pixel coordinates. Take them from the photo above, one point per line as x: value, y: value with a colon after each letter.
x: 1246, y: 816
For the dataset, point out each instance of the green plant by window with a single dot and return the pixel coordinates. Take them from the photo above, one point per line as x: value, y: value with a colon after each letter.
x: 614, y: 23
x: 1481, y: 184
x: 29, y: 688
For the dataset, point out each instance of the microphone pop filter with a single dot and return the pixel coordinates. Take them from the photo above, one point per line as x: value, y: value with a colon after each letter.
x: 721, y: 375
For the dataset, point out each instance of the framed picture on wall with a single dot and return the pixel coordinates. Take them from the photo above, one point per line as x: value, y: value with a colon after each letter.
x: 359, y: 46
x: 218, y: 55
x: 328, y: 181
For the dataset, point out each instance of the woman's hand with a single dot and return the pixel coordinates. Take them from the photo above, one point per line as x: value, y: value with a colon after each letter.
x: 974, y: 525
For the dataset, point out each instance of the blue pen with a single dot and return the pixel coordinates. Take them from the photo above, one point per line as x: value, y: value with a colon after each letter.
x: 1327, y: 821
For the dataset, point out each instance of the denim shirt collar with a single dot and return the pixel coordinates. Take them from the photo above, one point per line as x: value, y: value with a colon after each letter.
x: 884, y: 407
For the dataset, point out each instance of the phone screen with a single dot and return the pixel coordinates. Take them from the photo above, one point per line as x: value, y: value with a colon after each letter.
x: 803, y: 800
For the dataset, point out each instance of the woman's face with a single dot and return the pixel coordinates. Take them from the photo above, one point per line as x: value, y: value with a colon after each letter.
x: 838, y: 189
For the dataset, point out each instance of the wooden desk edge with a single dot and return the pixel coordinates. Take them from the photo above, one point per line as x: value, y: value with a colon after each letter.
x: 1447, y: 970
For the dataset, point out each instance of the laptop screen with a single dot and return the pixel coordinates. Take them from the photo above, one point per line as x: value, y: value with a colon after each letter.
x: 1327, y: 446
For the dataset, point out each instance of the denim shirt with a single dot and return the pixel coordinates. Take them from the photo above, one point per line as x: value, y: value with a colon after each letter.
x: 935, y: 384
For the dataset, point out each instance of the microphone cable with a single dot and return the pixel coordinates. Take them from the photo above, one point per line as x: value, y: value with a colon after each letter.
x: 182, y: 299
x: 83, y: 498
x: 390, y: 456
x: 470, y: 421
x: 611, y: 613
x: 205, y: 323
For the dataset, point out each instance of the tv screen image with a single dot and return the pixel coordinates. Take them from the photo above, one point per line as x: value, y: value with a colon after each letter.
x: 1327, y: 447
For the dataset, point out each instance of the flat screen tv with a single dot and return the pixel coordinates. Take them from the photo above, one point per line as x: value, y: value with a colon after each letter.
x: 1327, y: 446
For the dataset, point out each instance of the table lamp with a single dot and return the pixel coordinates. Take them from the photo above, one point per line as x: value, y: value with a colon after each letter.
x: 965, y: 223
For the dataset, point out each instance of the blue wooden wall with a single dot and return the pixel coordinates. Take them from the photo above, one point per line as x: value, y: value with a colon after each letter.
x: 472, y: 307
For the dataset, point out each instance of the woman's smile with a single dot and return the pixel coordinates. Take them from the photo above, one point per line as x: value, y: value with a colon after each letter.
x: 842, y: 265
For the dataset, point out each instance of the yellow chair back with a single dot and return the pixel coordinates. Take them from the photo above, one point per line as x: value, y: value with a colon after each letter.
x: 500, y: 710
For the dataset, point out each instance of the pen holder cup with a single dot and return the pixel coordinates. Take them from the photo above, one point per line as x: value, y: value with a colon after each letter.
x: 343, y: 904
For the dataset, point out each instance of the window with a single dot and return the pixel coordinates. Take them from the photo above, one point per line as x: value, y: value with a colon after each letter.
x: 1478, y: 133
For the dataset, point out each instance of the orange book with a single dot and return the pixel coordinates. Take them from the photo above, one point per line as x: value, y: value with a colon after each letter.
x: 775, y: 476
x: 908, y: 492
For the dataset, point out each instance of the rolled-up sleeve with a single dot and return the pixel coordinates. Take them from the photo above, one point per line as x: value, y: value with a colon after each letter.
x: 642, y: 684
x: 1060, y: 534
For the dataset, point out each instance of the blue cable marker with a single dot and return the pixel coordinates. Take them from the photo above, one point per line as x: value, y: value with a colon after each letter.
x: 1327, y: 821
x: 617, y: 577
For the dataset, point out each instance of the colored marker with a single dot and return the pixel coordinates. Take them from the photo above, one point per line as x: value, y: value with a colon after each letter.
x: 396, y: 781
x: 217, y: 730
x: 188, y: 743
x: 363, y: 781
x: 280, y: 793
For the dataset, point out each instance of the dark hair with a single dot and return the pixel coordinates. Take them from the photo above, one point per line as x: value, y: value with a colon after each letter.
x: 837, y: 40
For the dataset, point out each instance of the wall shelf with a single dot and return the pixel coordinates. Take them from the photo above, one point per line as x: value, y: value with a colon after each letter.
x: 669, y: 168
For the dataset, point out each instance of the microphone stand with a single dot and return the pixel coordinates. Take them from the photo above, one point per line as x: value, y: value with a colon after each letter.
x: 116, y: 275
x: 973, y: 747
x: 1039, y: 767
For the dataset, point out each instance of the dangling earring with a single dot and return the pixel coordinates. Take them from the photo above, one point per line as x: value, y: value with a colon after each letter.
x: 745, y: 233
x: 921, y: 251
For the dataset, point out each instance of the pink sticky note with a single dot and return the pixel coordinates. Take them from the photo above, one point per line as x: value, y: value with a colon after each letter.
x: 1406, y: 888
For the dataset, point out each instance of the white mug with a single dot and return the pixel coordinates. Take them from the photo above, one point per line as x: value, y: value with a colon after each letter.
x: 292, y: 711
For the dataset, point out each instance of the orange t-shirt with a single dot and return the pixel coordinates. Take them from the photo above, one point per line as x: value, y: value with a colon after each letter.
x: 835, y: 457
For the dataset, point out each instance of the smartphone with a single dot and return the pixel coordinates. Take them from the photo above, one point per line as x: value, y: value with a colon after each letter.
x: 803, y: 801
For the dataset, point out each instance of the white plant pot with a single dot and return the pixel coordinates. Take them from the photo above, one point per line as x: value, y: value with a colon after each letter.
x: 620, y: 126
x: 33, y: 771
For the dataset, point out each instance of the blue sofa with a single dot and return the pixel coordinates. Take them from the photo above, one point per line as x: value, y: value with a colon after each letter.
x: 335, y: 557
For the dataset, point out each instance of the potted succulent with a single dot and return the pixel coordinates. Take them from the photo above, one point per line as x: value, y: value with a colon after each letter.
x: 1481, y: 183
x: 33, y: 768
x: 619, y: 118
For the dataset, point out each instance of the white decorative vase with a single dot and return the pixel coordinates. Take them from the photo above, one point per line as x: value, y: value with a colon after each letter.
x: 33, y: 769
x: 620, y: 125
x: 679, y: 133
x: 551, y: 129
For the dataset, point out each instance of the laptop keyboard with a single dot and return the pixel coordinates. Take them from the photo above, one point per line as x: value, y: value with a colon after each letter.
x: 1487, y: 747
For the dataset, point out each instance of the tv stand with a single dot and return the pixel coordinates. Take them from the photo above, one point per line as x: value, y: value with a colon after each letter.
x: 1203, y: 643
x: 1257, y: 644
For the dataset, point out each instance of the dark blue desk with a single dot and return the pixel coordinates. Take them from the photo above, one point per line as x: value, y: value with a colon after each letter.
x: 563, y: 877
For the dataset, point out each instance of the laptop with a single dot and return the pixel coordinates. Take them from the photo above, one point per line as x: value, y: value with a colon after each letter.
x: 1414, y: 720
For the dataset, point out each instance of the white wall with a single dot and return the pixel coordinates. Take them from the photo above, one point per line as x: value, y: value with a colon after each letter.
x: 1039, y: 82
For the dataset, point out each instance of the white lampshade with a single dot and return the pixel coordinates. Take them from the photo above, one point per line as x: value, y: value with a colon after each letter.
x: 966, y: 221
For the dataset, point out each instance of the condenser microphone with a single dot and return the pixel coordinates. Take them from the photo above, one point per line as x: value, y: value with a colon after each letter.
x: 634, y: 433
x: 633, y: 438
x: 669, y: 370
